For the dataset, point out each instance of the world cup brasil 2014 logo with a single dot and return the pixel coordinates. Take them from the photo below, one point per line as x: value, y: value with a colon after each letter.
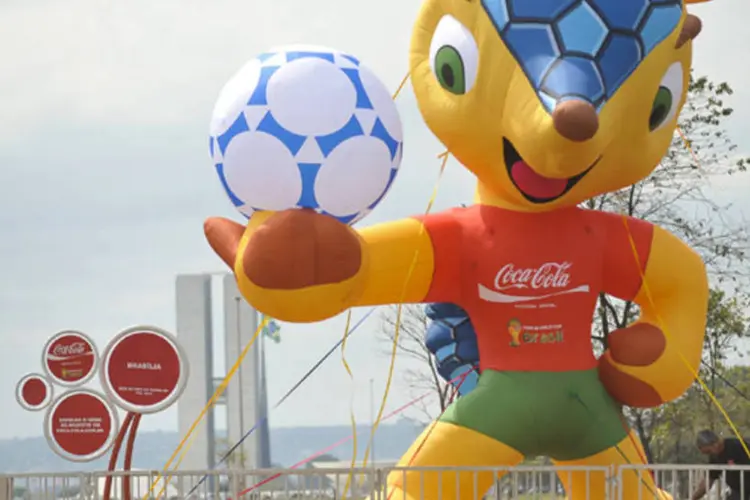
x: 515, y: 329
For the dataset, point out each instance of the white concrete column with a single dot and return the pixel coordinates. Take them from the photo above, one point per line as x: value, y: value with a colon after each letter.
x: 195, y: 334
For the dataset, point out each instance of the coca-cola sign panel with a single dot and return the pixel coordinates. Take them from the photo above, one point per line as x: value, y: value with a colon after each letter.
x: 33, y: 392
x: 70, y: 358
x: 81, y: 425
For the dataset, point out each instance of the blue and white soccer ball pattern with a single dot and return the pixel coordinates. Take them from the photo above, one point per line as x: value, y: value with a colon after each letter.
x: 306, y: 127
x: 451, y: 338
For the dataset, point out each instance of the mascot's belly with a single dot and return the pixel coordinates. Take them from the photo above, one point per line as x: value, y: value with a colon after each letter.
x: 556, y: 338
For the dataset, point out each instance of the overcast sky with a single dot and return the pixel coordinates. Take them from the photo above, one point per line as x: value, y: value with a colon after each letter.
x: 105, y: 179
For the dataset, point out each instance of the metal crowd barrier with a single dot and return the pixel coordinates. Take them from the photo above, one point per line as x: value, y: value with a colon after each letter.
x: 680, y: 481
x: 510, y: 483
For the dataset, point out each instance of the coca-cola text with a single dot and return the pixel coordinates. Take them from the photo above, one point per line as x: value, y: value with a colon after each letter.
x: 548, y: 275
x: 74, y: 349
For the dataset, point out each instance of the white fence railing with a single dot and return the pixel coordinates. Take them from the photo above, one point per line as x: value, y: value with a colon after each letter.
x: 510, y: 483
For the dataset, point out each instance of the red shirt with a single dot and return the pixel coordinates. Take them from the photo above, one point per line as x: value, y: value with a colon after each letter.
x: 530, y: 281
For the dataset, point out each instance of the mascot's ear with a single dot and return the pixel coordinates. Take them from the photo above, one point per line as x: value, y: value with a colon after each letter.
x: 224, y: 237
x: 691, y: 28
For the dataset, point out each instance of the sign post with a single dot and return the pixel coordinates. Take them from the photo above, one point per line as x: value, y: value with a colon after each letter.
x: 143, y: 370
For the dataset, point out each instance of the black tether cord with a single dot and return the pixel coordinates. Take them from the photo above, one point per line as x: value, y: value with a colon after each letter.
x: 727, y: 382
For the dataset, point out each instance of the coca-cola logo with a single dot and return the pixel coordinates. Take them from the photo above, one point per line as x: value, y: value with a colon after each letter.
x: 550, y: 275
x: 70, y: 358
x: 73, y: 349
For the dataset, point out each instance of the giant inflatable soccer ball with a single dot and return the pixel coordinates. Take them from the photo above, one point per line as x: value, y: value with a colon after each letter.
x: 306, y: 127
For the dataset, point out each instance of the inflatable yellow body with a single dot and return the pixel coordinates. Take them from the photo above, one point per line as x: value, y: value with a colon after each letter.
x: 548, y: 103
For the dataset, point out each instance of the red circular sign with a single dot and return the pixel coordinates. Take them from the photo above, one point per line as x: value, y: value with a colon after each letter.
x: 81, y: 425
x: 143, y: 370
x: 33, y: 392
x: 70, y: 358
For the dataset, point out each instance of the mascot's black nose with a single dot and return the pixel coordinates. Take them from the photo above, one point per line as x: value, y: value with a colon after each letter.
x: 576, y: 120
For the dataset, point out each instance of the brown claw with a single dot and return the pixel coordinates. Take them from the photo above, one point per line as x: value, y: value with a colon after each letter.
x: 625, y: 388
x: 224, y: 237
x: 691, y: 28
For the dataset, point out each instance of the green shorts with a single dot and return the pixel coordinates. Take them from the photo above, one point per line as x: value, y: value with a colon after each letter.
x: 561, y: 415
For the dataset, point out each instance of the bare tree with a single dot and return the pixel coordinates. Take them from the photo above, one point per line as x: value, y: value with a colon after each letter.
x: 677, y: 197
x: 411, y: 343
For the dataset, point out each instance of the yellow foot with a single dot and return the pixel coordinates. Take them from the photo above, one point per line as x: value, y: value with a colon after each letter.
x: 635, y: 483
x: 444, y: 447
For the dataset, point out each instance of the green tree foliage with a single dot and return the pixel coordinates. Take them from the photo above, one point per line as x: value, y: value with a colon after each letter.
x: 668, y: 432
x: 722, y: 389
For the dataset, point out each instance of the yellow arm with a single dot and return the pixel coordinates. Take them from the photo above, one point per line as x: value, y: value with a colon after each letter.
x: 674, y: 298
x: 401, y: 263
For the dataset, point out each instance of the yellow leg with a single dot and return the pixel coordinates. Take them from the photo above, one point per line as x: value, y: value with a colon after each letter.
x: 448, y: 446
x: 635, y: 485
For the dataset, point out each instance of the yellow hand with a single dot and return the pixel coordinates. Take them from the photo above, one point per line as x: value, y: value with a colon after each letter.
x: 655, y: 360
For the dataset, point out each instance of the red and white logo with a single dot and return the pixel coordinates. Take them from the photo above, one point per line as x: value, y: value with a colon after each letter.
x: 81, y: 425
x: 70, y: 358
x: 144, y: 370
x: 548, y: 280
x: 34, y: 392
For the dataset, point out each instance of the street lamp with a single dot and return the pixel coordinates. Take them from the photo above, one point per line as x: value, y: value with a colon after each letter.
x: 241, y: 400
x: 372, y: 418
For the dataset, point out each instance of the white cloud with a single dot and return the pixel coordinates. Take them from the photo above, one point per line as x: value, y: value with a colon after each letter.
x: 164, y: 62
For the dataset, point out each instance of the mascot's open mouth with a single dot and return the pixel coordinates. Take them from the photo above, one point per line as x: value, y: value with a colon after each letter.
x: 534, y: 187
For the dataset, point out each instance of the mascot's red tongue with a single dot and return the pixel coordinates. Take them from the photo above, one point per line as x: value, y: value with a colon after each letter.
x: 535, y: 185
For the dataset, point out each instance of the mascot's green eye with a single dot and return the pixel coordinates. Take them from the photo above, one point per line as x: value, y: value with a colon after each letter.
x: 449, y: 70
x: 665, y: 105
x: 454, y: 56
x: 660, y: 109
